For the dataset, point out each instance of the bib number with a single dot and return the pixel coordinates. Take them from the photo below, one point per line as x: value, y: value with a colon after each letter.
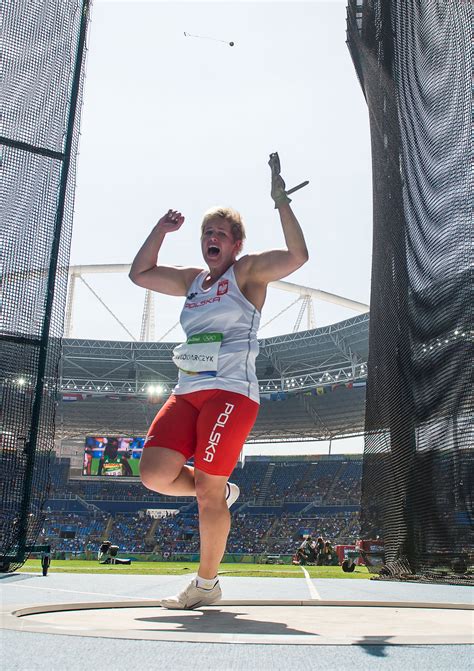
x: 199, y: 355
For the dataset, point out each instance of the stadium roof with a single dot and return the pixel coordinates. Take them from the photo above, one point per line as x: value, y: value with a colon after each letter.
x: 297, y: 372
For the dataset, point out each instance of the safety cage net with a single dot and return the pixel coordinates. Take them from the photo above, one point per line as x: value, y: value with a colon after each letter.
x: 414, y: 63
x: 42, y: 78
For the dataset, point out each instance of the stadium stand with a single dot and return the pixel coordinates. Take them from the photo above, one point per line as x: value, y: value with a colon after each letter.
x: 131, y: 532
x: 73, y: 532
x: 346, y: 488
x: 281, y: 501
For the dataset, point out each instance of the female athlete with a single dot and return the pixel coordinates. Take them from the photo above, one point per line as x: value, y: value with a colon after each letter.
x: 216, y: 400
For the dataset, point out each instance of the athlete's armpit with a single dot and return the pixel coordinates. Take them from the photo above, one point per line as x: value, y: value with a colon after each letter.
x: 272, y: 265
x: 170, y: 280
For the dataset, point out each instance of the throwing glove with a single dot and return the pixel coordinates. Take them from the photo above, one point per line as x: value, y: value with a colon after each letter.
x: 278, y: 192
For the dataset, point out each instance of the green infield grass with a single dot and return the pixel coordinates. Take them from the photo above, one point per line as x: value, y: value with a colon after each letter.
x: 182, y: 568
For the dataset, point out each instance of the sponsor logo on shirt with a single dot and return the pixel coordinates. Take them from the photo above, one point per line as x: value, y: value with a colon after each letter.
x: 215, y: 435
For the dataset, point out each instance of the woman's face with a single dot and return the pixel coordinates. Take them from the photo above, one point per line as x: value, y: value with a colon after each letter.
x: 217, y: 243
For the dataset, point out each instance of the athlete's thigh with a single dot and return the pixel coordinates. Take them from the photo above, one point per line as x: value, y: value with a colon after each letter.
x: 224, y: 422
x: 161, y: 463
x: 172, y: 431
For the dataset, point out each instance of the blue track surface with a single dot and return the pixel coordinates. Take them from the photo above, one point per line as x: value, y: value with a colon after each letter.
x: 30, y: 651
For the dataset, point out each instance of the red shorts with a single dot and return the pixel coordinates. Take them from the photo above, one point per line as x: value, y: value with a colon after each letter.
x: 211, y: 425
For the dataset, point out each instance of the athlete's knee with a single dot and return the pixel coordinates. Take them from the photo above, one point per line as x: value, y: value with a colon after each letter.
x: 154, y: 480
x: 155, y: 476
x: 210, y: 491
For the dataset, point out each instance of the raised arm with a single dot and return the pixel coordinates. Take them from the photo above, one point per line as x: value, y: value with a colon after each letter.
x: 275, y: 264
x: 145, y: 270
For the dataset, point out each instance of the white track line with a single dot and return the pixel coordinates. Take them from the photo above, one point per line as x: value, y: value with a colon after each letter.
x: 70, y: 591
x: 312, y: 589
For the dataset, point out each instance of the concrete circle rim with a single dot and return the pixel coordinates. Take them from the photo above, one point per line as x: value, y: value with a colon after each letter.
x: 304, y: 611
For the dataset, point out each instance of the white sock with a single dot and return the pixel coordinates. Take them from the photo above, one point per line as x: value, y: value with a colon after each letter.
x: 206, y: 583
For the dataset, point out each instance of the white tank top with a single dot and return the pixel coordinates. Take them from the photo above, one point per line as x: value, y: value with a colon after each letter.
x: 221, y: 309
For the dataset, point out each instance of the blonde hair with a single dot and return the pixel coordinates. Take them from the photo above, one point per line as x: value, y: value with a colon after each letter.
x: 232, y: 216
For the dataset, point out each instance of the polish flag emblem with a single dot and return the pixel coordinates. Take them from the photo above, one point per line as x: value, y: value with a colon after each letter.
x: 222, y: 287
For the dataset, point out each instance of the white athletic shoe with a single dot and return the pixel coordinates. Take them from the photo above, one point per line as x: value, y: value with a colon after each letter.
x: 232, y: 493
x: 193, y: 597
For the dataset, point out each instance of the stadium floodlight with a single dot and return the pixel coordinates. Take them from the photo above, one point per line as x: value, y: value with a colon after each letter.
x: 21, y: 381
x: 155, y: 389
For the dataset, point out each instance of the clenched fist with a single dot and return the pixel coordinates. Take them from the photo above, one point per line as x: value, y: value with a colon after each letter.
x: 171, y: 221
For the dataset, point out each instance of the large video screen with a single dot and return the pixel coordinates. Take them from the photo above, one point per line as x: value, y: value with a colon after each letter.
x: 112, y: 456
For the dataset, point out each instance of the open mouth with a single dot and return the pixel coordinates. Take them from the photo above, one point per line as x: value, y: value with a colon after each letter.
x: 213, y: 251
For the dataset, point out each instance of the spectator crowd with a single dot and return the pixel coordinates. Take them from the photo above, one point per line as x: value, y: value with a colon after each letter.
x: 281, y: 505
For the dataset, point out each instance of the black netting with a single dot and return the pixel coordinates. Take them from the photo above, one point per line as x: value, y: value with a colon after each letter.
x: 414, y: 63
x: 42, y: 77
